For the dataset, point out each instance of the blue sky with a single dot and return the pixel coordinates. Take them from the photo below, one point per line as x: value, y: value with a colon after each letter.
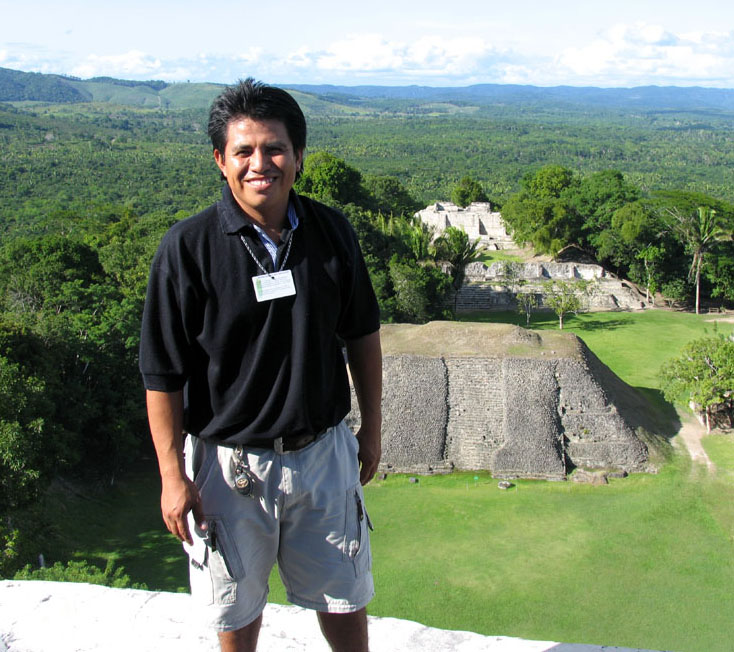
x: 617, y: 43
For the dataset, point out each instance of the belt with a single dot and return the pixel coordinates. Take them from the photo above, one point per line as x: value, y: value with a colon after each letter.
x: 285, y: 444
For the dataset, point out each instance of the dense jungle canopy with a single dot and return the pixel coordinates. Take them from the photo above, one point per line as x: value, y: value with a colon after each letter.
x: 93, y: 173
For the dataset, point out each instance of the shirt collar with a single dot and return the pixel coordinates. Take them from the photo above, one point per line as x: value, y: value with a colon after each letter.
x: 233, y: 218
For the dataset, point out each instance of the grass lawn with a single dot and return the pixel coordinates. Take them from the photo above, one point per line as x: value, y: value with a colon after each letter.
x: 493, y: 256
x: 647, y: 561
x: 643, y: 562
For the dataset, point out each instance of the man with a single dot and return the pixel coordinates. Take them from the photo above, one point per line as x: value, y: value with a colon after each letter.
x: 248, y: 305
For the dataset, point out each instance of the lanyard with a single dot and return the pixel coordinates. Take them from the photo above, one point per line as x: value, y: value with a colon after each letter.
x: 259, y: 264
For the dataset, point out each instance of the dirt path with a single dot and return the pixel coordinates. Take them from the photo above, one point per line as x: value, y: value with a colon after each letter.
x: 690, y: 434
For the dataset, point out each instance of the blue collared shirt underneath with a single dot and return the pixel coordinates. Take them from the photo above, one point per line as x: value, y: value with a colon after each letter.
x: 271, y: 246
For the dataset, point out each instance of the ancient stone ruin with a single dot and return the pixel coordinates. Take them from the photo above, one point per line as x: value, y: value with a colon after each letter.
x: 488, y: 287
x: 478, y: 220
x: 499, y: 398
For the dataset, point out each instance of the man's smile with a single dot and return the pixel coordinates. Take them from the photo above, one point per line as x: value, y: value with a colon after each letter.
x: 260, y: 182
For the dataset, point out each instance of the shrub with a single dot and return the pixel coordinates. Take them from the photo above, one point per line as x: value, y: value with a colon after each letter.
x: 81, y: 571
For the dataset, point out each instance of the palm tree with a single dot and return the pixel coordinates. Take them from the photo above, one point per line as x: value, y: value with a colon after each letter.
x: 699, y: 231
x: 455, y: 247
x: 418, y: 237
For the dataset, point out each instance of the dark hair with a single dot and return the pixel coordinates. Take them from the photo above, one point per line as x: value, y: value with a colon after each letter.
x: 253, y: 99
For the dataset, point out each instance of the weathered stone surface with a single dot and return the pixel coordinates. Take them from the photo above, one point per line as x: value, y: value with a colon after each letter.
x: 415, y: 413
x: 475, y: 429
x: 532, y: 446
x: 486, y: 286
x: 496, y: 397
x: 617, y: 474
x: 590, y: 477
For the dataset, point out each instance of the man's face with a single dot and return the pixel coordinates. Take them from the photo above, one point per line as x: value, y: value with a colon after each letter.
x: 260, y: 166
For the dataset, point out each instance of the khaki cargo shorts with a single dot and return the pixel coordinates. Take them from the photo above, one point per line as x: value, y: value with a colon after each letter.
x: 307, y: 513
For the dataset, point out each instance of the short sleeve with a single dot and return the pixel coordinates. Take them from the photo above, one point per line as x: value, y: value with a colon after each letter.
x: 360, y: 311
x: 165, y: 348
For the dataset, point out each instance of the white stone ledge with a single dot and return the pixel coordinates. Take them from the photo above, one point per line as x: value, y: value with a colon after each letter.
x: 65, y: 617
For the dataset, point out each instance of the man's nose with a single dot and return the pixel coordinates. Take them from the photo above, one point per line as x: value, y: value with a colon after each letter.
x: 258, y: 159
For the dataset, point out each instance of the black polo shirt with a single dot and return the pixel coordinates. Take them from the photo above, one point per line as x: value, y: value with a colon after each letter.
x: 253, y: 370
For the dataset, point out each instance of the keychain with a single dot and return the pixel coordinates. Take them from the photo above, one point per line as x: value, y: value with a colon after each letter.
x: 244, y: 480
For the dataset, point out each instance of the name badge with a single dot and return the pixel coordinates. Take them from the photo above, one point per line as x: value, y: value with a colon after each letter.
x: 274, y: 286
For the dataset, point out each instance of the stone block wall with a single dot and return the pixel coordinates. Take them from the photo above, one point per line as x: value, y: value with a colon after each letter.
x: 533, y: 435
x: 475, y: 428
x: 485, y: 286
x: 516, y: 416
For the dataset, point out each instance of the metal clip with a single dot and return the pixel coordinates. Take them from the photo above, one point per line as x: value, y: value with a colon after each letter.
x: 244, y: 480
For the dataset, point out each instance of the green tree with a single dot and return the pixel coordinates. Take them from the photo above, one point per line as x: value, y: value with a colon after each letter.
x: 331, y: 180
x: 676, y: 290
x: 468, y: 190
x: 27, y: 436
x: 650, y: 256
x: 55, y: 293
x: 421, y: 291
x: 540, y: 214
x: 417, y: 236
x: 596, y: 198
x: 455, y: 247
x: 526, y: 303
x: 390, y: 197
x: 511, y: 276
x: 699, y: 230
x: 549, y: 182
x: 719, y: 271
x: 704, y: 375
x: 565, y: 297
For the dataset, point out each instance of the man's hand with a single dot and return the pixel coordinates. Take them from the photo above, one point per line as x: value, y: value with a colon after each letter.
x: 365, y: 366
x: 370, y: 451
x: 179, y: 497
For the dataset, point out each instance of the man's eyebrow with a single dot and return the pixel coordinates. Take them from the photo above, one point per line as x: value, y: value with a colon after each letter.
x: 245, y: 145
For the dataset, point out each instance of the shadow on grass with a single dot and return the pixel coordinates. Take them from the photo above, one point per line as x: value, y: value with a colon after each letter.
x: 152, y: 558
x: 155, y: 558
x: 596, y: 325
x: 121, y: 523
x: 663, y: 413
x: 546, y: 320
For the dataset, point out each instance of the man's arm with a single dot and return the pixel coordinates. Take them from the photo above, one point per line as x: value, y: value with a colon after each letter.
x: 179, y: 494
x: 365, y: 366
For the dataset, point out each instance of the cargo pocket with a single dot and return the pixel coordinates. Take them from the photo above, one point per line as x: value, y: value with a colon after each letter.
x: 215, y: 565
x: 225, y: 564
x: 198, y: 553
x: 356, y: 539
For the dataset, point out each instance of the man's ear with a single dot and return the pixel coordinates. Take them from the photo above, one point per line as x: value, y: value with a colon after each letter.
x: 219, y: 158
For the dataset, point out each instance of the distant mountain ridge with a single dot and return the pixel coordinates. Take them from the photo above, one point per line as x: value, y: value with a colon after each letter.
x: 647, y: 97
x: 17, y: 86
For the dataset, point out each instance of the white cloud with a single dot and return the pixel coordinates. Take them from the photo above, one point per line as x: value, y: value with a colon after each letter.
x: 360, y: 53
x: 133, y: 63
x: 644, y: 54
x: 371, y: 55
x: 33, y: 58
x: 622, y: 55
x: 136, y: 64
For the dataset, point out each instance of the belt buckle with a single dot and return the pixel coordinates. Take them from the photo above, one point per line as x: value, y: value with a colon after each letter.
x: 278, y: 445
